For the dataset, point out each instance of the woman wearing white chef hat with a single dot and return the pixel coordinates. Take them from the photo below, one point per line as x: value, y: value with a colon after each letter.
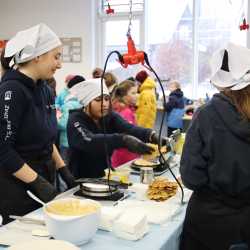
x: 216, y: 156
x: 86, y: 132
x: 28, y: 126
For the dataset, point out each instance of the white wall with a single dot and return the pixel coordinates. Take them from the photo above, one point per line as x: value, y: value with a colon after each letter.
x: 68, y: 18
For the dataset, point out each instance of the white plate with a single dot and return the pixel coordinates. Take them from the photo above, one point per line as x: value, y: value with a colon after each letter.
x: 44, y: 244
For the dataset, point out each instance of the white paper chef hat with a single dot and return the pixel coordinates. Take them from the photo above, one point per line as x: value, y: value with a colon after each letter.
x: 88, y: 90
x: 32, y: 42
x: 230, y: 67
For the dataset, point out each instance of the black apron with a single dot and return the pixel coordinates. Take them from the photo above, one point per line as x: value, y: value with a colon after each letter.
x: 13, y: 196
x: 215, y: 222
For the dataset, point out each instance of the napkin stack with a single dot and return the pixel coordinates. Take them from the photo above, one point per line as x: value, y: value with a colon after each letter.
x: 131, y: 225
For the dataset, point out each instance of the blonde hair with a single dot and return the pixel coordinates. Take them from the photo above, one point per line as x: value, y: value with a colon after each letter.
x: 175, y: 83
x: 241, y: 100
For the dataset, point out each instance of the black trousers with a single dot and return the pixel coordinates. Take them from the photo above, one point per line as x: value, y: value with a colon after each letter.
x: 211, y: 224
x: 13, y: 192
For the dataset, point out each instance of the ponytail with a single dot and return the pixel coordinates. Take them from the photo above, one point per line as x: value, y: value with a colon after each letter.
x: 5, y: 61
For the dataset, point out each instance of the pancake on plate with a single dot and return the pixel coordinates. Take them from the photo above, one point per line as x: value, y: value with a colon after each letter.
x: 144, y: 163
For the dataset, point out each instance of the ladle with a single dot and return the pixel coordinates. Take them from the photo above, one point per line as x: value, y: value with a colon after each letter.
x: 34, y: 197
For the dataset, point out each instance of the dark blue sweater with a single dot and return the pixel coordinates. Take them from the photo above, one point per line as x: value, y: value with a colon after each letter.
x: 176, y: 100
x: 28, y: 124
x: 216, y: 154
x: 86, y: 141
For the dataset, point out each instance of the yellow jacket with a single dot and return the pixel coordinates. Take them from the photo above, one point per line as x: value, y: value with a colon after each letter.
x: 146, y: 104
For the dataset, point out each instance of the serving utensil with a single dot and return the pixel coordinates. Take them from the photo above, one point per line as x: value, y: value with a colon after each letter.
x: 35, y: 198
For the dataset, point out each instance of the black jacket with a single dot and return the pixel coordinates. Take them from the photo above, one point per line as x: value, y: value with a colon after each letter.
x: 216, y: 154
x: 86, y: 141
x: 28, y: 123
x: 176, y: 100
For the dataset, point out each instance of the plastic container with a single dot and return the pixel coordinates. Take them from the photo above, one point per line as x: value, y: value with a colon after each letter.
x: 75, y: 229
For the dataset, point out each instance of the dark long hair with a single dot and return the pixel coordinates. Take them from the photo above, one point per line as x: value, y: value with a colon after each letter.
x: 241, y: 100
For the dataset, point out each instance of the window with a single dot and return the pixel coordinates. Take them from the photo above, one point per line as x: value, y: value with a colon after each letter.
x: 115, y: 27
x: 170, y: 50
x: 180, y: 37
x: 116, y: 39
x: 182, y: 53
x: 218, y: 23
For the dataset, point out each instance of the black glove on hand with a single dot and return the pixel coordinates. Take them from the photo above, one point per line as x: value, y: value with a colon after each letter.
x: 42, y: 189
x: 154, y: 138
x: 67, y: 177
x: 136, y: 146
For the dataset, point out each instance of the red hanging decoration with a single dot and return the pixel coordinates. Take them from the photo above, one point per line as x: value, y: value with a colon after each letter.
x: 133, y: 56
x: 244, y: 25
x: 109, y: 10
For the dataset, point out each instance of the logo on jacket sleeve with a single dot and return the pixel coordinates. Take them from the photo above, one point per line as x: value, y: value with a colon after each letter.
x: 7, y: 95
x: 82, y: 132
x: 76, y: 124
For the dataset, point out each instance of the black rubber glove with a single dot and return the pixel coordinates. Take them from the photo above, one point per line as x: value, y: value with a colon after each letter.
x: 154, y: 138
x: 42, y: 189
x: 67, y: 177
x: 136, y: 146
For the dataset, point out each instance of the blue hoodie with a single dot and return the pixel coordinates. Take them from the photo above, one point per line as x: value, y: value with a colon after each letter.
x: 175, y: 109
x: 60, y: 99
x: 70, y: 103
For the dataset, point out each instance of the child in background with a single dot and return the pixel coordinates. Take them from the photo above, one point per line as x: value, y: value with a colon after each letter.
x: 70, y: 102
x: 124, y: 103
x: 175, y: 107
x: 62, y: 95
x: 111, y: 82
x: 146, y: 104
x: 97, y: 73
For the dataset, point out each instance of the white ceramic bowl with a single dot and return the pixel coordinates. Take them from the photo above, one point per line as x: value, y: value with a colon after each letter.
x: 75, y: 229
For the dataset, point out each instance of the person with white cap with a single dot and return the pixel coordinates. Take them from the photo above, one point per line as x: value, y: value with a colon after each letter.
x: 86, y: 136
x: 28, y: 126
x: 215, y: 159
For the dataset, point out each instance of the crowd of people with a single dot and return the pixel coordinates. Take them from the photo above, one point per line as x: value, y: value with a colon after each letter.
x: 71, y: 124
x: 33, y: 155
x: 112, y: 124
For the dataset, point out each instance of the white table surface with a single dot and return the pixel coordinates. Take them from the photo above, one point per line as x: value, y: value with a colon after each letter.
x: 164, y: 236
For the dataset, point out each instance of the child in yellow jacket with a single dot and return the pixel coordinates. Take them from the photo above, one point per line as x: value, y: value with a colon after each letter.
x: 146, y: 104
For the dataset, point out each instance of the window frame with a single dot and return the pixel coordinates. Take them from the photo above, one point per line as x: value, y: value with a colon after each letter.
x: 120, y: 16
x: 142, y: 17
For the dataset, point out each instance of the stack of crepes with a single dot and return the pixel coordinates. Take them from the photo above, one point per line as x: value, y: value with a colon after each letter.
x: 161, y: 189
